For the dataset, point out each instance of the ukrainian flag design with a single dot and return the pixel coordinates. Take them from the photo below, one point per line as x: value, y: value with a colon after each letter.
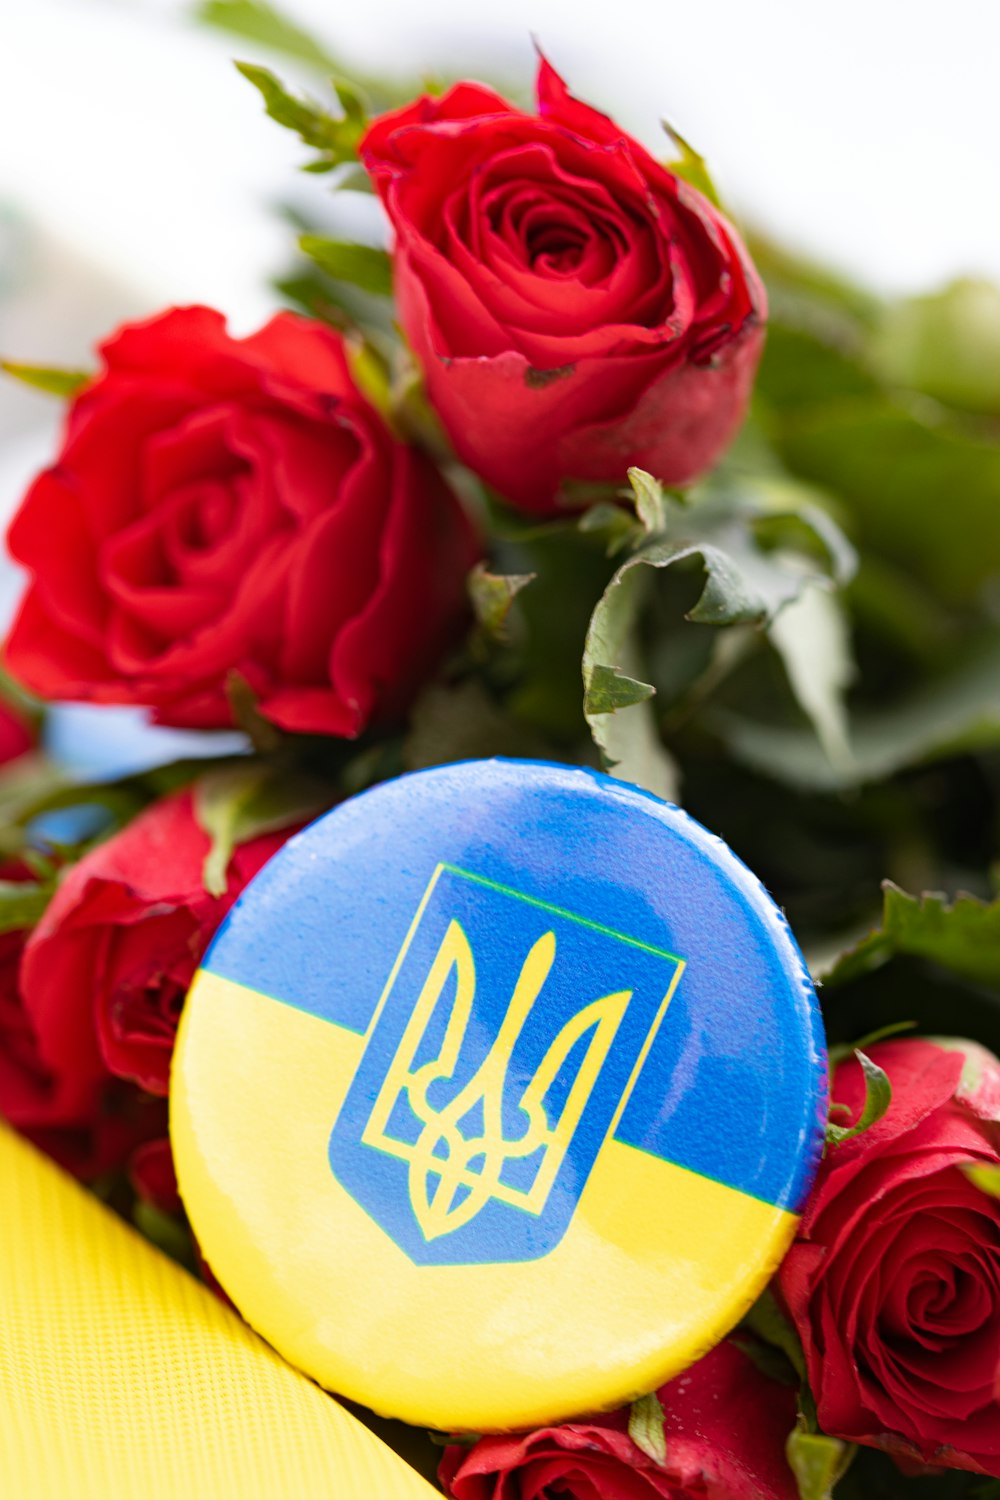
x: 497, y: 1095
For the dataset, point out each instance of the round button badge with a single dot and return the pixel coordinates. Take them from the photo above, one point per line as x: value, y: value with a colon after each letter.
x: 497, y: 1095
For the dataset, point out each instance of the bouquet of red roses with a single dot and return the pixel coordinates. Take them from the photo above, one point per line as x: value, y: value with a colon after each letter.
x: 526, y: 479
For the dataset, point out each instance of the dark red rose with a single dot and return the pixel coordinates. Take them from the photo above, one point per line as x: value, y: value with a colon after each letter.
x: 894, y: 1279
x: 16, y: 737
x: 226, y: 505
x: 89, y: 1123
x: 575, y: 306
x: 151, y: 1171
x: 105, y: 972
x: 725, y: 1426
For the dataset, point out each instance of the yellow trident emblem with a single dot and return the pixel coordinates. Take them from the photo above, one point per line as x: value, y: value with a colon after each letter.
x: 453, y: 1175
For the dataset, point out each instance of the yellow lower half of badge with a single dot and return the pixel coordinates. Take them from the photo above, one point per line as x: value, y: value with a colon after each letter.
x: 658, y: 1263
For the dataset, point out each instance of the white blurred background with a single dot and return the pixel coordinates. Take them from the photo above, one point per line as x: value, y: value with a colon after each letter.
x: 138, y: 169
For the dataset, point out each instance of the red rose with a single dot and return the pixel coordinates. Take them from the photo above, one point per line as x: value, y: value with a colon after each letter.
x: 89, y: 1123
x: 227, y: 505
x: 16, y: 737
x: 725, y: 1425
x: 105, y: 972
x: 575, y: 306
x: 894, y: 1279
x: 151, y: 1169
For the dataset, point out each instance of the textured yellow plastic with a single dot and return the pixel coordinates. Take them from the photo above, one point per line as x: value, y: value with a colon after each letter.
x: 121, y: 1378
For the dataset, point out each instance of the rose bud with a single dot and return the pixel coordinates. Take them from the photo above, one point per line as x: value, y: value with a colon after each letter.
x: 223, y: 505
x: 576, y: 307
x: 105, y: 972
x: 725, y: 1426
x: 894, y: 1279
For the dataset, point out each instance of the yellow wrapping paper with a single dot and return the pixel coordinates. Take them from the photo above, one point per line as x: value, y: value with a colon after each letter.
x: 121, y: 1376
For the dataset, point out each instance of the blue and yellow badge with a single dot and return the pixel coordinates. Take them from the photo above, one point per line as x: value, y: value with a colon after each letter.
x: 497, y: 1095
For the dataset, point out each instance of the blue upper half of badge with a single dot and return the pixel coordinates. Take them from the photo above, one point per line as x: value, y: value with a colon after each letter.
x: 540, y: 958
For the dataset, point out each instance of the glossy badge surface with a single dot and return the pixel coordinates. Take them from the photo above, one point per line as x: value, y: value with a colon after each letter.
x: 497, y: 1094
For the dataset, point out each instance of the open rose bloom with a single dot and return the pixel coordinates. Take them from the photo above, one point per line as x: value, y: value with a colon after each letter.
x: 894, y: 1280
x: 236, y: 506
x: 575, y: 306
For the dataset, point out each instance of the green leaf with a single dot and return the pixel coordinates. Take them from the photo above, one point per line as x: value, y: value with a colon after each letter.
x: 553, y: 617
x: 744, y: 582
x: 242, y: 802
x: 770, y: 1361
x: 336, y: 139
x: 914, y: 486
x: 492, y: 595
x: 769, y: 1323
x: 811, y: 637
x: 608, y: 690
x: 258, y: 22
x: 262, y: 734
x: 956, y: 712
x: 645, y: 1428
x: 817, y: 1461
x: 813, y: 289
x: 362, y: 266
x: 650, y: 501
x: 165, y: 1232
x: 614, y: 701
x: 961, y: 935
x: 691, y: 166
x: 946, y: 345
x: 878, y: 1097
x: 613, y: 525
x: 463, y: 722
x: 47, y: 378
x: 800, y: 370
x: 985, y: 1177
x: 22, y: 903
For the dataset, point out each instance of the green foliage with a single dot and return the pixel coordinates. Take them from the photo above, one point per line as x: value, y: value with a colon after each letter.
x: 888, y: 408
x: 47, y: 378
x: 878, y: 1097
x: 986, y: 1178
x: 23, y: 902
x: 243, y: 801
x: 817, y: 1461
x: 645, y: 1427
x: 491, y: 596
x: 462, y: 721
x: 953, y: 711
x: 336, y: 138
x: 362, y: 266
x: 691, y: 166
x: 962, y: 936
x: 166, y: 1233
x: 766, y: 1320
x: 762, y: 546
x: 259, y: 22
x: 946, y: 345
